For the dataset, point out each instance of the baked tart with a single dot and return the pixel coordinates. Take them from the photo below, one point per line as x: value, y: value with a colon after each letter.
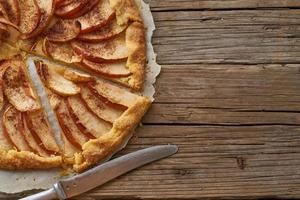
x: 89, y: 59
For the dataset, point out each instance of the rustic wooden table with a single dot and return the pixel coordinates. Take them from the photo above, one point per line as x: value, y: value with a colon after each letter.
x: 229, y: 96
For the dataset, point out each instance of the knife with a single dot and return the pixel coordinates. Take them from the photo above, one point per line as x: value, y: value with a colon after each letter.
x: 103, y: 173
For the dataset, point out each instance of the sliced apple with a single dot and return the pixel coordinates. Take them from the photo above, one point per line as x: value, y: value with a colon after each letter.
x: 12, y: 10
x: 98, y: 17
x: 3, y: 12
x: 1, y: 97
x: 76, y: 76
x: 113, y: 70
x: 54, y: 99
x: 72, y: 133
x: 37, y: 148
x: 59, y: 3
x: 27, y: 45
x: 87, y: 120
x: 38, y: 47
x: 99, y: 107
x: 39, y: 68
x: 108, y: 50
x: 87, y: 8
x: 69, y: 150
x: 30, y: 16
x: 5, y: 141
x: 113, y: 93
x: 39, y: 126
x: 63, y: 31
x: 58, y: 83
x: 71, y: 9
x: 3, y: 27
x: 17, y: 89
x: 5, y: 21
x: 3, y: 65
x: 61, y: 52
x: 12, y: 125
x: 108, y: 31
x: 47, y: 11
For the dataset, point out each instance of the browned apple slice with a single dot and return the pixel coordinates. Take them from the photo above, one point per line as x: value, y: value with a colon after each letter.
x: 30, y: 15
x: 17, y: 90
x: 99, y: 107
x: 91, y: 86
x: 98, y: 17
x: 72, y: 9
x: 3, y: 12
x: 12, y: 124
x: 72, y: 133
x: 54, y: 99
x: 108, y: 50
x: 113, y: 93
x: 40, y: 129
x: 5, y: 21
x: 3, y: 27
x: 32, y: 45
x: 3, y: 65
x: 39, y: 68
x: 63, y: 31
x: 47, y: 11
x: 61, y: 52
x: 5, y: 141
x: 59, y: 3
x: 76, y: 76
x: 1, y: 97
x: 108, y: 31
x: 113, y: 70
x: 87, y: 120
x: 69, y: 150
x: 87, y: 8
x: 12, y: 10
x: 31, y: 140
x: 58, y: 83
x: 27, y: 45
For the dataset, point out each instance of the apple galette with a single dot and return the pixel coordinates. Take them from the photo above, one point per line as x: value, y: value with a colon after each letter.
x: 89, y: 58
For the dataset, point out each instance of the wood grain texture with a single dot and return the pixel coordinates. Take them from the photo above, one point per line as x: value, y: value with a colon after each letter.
x: 214, y: 162
x: 237, y: 87
x: 159, y: 5
x: 239, y: 36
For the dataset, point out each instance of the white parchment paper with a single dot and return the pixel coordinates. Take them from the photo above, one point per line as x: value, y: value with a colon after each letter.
x: 18, y: 181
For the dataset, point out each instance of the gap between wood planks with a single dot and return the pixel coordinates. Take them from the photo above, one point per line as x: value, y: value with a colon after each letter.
x: 175, y: 5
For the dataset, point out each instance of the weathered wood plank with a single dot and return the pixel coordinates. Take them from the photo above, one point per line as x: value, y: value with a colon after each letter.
x: 243, y: 36
x: 256, y: 162
x: 227, y: 95
x: 220, y: 4
x: 189, y: 114
x: 236, y: 87
x: 213, y: 161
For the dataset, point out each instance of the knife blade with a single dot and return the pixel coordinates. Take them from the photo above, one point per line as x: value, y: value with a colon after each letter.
x: 103, y: 173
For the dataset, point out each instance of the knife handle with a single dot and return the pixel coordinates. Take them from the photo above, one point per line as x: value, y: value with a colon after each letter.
x: 45, y: 195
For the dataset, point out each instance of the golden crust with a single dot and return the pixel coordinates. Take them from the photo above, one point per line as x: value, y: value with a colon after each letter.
x: 104, y: 146
x: 126, y: 11
x: 13, y: 159
x: 136, y: 45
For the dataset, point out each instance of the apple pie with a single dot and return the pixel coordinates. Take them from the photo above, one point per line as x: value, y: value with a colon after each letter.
x: 89, y: 61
